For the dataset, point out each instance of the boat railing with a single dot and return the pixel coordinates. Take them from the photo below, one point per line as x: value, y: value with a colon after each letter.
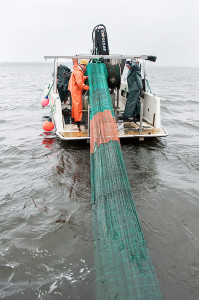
x: 90, y: 56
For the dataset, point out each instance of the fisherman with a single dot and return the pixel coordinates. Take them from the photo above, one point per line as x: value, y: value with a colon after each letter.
x: 76, y: 86
x: 134, y: 80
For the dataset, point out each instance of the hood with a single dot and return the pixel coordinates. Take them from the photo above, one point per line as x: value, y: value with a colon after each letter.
x: 76, y: 67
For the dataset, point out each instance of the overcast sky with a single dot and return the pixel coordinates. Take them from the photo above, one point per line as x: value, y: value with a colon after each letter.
x: 30, y: 29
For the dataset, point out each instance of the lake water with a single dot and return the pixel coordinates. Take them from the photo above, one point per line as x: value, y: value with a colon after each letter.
x: 45, y: 181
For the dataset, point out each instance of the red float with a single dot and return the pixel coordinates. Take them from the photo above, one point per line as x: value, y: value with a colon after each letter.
x: 44, y: 101
x: 48, y: 125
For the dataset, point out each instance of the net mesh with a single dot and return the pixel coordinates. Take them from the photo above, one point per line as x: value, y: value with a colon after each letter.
x: 122, y: 262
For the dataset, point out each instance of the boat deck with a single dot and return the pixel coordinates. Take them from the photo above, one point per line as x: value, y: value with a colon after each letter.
x: 125, y: 129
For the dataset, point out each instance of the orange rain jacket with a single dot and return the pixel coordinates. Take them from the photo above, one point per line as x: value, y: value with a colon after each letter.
x: 76, y: 86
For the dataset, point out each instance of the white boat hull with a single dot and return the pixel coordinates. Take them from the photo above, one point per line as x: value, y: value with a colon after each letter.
x: 150, y: 126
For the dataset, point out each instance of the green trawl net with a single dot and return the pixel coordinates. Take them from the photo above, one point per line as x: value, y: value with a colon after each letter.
x: 123, y: 266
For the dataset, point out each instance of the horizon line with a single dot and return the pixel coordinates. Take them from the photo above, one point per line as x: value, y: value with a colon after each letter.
x: 47, y: 62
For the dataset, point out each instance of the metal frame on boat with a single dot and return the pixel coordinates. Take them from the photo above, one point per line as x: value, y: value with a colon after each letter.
x: 149, y: 124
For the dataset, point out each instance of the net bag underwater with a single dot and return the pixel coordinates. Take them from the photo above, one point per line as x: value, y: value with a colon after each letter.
x: 123, y: 266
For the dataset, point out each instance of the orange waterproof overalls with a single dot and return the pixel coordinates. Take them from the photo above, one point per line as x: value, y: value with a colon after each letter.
x: 76, y: 86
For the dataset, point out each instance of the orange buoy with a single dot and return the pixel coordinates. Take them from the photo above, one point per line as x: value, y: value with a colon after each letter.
x: 44, y: 101
x: 48, y: 125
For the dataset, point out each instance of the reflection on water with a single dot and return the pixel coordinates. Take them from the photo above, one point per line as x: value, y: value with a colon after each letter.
x: 48, y: 143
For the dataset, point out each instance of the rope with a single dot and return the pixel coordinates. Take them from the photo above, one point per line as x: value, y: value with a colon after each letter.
x: 53, y: 108
x: 50, y: 89
x: 148, y: 87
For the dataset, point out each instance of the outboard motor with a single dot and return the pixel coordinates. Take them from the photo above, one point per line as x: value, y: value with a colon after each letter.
x: 100, y: 47
x: 100, y: 40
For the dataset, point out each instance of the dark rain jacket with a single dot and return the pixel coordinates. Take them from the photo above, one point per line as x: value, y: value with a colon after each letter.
x: 134, y: 78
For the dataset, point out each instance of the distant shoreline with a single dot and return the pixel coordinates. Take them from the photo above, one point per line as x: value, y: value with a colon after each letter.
x: 25, y: 63
x: 47, y: 63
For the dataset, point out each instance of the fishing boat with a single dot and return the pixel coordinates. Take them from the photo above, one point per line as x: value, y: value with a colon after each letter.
x: 147, y: 126
x: 123, y: 266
